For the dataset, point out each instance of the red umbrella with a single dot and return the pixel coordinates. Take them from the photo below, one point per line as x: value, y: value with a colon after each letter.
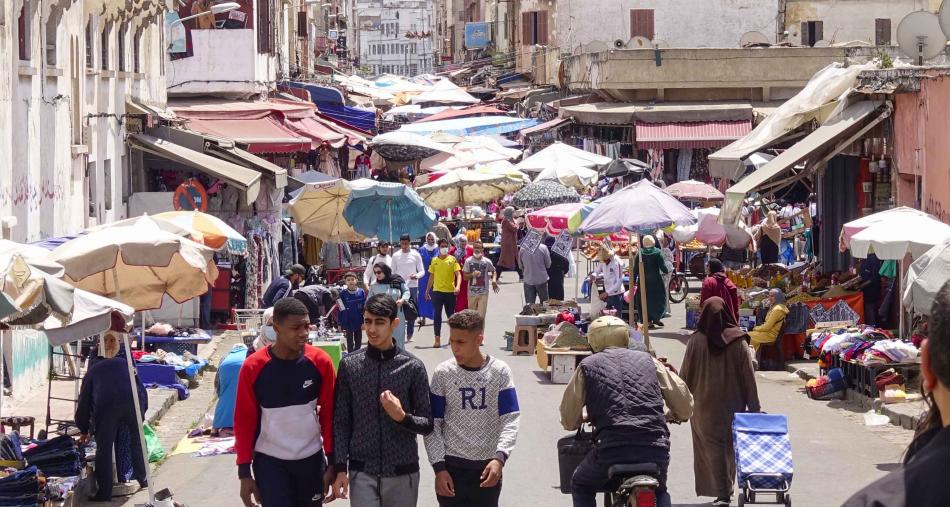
x: 692, y: 190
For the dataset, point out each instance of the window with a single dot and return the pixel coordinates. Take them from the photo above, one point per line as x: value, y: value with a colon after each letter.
x: 52, y: 30
x: 126, y: 179
x: 812, y: 32
x: 534, y: 28
x: 137, y: 51
x: 123, y: 34
x: 882, y: 32
x: 104, y: 46
x: 91, y: 189
x: 90, y: 53
x: 265, y: 27
x: 107, y: 180
x: 641, y: 23
x: 23, y: 33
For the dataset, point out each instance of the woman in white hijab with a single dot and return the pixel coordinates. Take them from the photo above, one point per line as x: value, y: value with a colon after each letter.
x: 267, y: 335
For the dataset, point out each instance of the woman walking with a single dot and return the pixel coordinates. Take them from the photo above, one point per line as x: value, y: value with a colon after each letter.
x: 395, y: 286
x: 556, y: 273
x: 428, y: 251
x: 653, y: 269
x: 508, y: 260
x: 718, y: 369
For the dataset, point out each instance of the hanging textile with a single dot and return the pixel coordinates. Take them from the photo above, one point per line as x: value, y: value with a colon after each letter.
x: 684, y: 164
x: 656, y: 163
x: 311, y: 250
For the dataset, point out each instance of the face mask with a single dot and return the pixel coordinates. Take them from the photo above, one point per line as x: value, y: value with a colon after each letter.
x: 270, y: 334
x: 477, y: 255
x: 443, y: 251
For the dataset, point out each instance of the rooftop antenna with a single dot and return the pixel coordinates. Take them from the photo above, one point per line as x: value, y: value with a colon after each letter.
x: 920, y: 37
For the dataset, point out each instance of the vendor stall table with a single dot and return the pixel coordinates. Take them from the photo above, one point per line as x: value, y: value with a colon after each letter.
x: 861, y: 377
x: 176, y: 344
x: 334, y: 349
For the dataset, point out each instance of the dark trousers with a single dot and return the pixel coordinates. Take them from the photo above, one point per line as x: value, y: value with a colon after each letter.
x: 107, y: 430
x: 354, y: 339
x: 286, y: 483
x: 616, y: 302
x: 468, y: 493
x: 590, y: 477
x: 411, y: 326
x: 441, y: 300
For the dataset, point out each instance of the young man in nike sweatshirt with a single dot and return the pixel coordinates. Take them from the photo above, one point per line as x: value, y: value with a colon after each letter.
x: 476, y: 418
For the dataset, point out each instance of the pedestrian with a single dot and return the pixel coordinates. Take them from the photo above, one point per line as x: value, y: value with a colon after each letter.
x: 653, y: 269
x: 266, y: 336
x: 106, y: 410
x: 871, y: 287
x: 363, y: 165
x: 407, y: 263
x: 508, y: 260
x: 476, y: 415
x: 477, y: 271
x: 666, y: 250
x: 624, y: 389
x: 718, y: 369
x: 393, y: 285
x: 609, y: 270
x: 382, y: 255
x: 284, y: 286
x: 283, y: 431
x: 382, y: 403
x: 461, y: 251
x: 445, y: 281
x: 718, y: 284
x: 922, y: 479
x: 351, y: 316
x: 769, y: 237
x: 768, y: 330
x: 428, y: 251
x: 534, y: 265
x: 559, y: 268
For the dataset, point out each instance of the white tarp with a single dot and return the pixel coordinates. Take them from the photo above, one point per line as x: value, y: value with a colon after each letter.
x: 925, y: 277
x: 445, y: 92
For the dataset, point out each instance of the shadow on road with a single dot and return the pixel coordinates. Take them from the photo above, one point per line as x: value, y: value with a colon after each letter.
x: 887, y: 467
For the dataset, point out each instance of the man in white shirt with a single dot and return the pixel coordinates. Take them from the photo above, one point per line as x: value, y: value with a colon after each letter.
x: 407, y: 263
x: 610, y: 270
x: 382, y: 256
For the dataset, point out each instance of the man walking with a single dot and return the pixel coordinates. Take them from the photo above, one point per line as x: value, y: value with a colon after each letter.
x: 445, y: 281
x: 283, y: 416
x: 534, y: 264
x: 382, y: 403
x: 478, y: 270
x: 476, y: 418
x: 407, y: 263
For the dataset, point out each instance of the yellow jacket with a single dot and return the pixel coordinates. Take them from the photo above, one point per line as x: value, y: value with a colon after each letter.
x: 768, y: 331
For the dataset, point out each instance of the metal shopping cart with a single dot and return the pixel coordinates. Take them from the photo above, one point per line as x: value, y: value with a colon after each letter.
x: 763, y: 457
x: 248, y: 322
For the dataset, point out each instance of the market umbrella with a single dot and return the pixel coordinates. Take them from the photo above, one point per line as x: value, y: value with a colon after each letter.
x: 318, y: 211
x: 621, y: 167
x: 692, y: 190
x: 540, y: 194
x: 855, y: 226
x: 406, y: 147
x: 387, y: 210
x: 639, y: 208
x: 514, y: 179
x: 462, y: 187
x: 561, y: 155
x: 31, y: 289
x: 208, y: 230
x: 578, y: 177
x: 709, y: 231
x: 925, y: 277
x: 557, y: 218
x: 898, y: 234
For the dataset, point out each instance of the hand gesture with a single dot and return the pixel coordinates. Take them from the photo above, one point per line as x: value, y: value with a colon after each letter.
x: 491, y: 474
x: 249, y: 493
x: 444, y: 485
x: 392, y: 405
x: 339, y: 488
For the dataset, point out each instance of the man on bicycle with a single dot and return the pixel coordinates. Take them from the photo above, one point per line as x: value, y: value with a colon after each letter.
x: 624, y: 391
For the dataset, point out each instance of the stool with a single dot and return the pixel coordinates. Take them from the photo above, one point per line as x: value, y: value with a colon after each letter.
x: 15, y: 422
x: 526, y: 339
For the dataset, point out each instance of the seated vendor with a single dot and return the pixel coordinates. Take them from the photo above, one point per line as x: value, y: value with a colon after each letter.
x: 225, y: 383
x: 768, y: 331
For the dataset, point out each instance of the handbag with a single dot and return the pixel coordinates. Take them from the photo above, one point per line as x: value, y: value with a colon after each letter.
x: 571, y: 450
x: 409, y: 309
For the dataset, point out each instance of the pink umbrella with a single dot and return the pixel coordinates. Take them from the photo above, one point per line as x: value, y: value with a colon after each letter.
x: 692, y: 190
x: 556, y: 218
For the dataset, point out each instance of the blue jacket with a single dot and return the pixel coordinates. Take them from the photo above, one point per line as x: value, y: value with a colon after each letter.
x: 106, y: 390
x: 352, y: 317
x: 227, y: 384
x: 278, y: 289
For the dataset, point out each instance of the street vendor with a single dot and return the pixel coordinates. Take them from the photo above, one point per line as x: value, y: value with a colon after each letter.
x: 610, y: 270
x: 768, y: 331
x: 284, y: 286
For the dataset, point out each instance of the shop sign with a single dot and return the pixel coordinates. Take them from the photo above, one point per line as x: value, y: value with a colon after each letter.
x: 476, y: 35
x: 190, y: 196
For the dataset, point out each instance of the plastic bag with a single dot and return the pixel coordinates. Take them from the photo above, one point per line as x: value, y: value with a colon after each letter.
x: 154, y: 446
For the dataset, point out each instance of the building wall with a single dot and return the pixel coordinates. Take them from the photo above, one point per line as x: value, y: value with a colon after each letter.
x: 384, y: 48
x: 849, y: 20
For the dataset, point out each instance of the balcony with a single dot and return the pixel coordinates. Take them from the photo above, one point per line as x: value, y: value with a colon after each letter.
x: 224, y: 62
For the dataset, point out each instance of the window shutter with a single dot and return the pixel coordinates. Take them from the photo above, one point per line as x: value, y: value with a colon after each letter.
x: 301, y: 24
x: 542, y: 34
x: 882, y: 32
x: 641, y: 23
x: 526, y: 29
x: 22, y: 35
x: 819, y: 30
x: 804, y: 34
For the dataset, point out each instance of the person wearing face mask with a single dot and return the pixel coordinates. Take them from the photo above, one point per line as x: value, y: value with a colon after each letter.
x: 478, y: 270
x: 383, y: 256
x: 461, y: 251
x: 445, y: 281
x: 266, y: 336
x: 407, y: 263
x: 428, y: 251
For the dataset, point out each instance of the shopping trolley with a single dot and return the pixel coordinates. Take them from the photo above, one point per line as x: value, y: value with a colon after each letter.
x: 763, y: 457
x: 248, y: 322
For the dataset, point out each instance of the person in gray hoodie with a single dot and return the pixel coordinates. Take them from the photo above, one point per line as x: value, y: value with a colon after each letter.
x: 535, y: 266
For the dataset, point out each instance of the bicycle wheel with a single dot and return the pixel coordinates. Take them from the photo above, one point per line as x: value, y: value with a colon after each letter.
x: 678, y: 288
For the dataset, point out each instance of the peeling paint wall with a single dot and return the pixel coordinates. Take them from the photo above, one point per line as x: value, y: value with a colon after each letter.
x: 849, y: 20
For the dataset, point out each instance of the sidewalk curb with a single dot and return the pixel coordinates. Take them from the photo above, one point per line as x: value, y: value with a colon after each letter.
x: 168, y: 397
x: 907, y: 415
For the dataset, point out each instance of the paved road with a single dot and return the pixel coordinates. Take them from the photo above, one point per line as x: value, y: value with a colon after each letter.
x: 834, y: 453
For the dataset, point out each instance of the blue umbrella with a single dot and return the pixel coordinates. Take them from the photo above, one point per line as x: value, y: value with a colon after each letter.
x: 387, y: 210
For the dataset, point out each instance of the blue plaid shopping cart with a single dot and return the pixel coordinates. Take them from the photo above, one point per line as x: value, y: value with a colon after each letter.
x: 763, y: 457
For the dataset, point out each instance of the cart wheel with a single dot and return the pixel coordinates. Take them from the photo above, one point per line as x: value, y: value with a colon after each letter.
x: 788, y: 500
x: 741, y: 499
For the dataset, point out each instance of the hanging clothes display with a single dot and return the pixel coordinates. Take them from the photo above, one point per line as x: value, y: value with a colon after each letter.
x: 328, y: 162
x: 684, y: 164
x: 656, y: 163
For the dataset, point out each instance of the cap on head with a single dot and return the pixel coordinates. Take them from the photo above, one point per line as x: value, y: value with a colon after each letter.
x: 608, y: 331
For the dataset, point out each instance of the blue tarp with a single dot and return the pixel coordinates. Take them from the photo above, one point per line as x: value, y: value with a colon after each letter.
x: 53, y: 243
x: 329, y: 101
x: 478, y: 125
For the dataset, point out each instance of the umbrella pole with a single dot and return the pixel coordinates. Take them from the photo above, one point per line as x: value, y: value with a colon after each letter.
x: 135, y: 396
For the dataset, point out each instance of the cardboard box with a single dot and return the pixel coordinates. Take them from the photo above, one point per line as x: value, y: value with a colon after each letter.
x: 887, y: 400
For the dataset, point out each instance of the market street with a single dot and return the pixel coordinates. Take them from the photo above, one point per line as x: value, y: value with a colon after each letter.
x: 828, y: 442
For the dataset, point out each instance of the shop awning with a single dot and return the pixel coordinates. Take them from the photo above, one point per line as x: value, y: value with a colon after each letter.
x: 546, y: 126
x: 247, y: 180
x: 135, y: 107
x: 316, y: 130
x: 704, y: 134
x: 825, y: 141
x: 475, y: 126
x: 627, y: 113
x: 241, y: 157
x: 262, y: 135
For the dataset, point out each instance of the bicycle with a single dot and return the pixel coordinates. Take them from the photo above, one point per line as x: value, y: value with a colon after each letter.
x: 678, y: 287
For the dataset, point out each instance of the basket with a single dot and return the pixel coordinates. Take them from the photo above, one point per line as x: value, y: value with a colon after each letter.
x: 248, y: 319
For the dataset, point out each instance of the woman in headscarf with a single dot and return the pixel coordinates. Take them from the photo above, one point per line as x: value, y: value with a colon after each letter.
x: 718, y: 369
x: 461, y: 251
x: 267, y: 335
x: 769, y: 237
x: 557, y: 271
x: 394, y: 285
x: 428, y: 251
x: 718, y: 284
x: 767, y: 332
x: 653, y: 269
x: 508, y: 261
x: 666, y: 251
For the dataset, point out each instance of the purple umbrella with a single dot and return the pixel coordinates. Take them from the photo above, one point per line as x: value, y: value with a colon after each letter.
x: 639, y: 208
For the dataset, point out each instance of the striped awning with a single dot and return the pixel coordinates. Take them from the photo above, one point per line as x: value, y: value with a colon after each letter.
x: 707, y: 134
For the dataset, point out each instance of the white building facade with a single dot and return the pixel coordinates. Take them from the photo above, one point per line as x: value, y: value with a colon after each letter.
x: 394, y: 37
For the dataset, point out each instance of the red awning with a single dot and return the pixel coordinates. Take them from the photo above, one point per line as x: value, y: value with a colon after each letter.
x: 319, y: 132
x: 708, y: 134
x: 548, y: 125
x: 449, y: 114
x: 354, y: 136
x: 262, y: 135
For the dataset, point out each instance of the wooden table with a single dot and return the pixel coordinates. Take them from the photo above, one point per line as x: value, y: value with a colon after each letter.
x: 562, y: 363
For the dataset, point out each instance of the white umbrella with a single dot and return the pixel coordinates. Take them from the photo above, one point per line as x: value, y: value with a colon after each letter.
x: 514, y: 179
x: 855, y: 226
x: 561, y: 155
x: 578, y: 177
x: 318, y: 211
x: 708, y: 230
x: 925, y: 277
x: 897, y: 234
x: 462, y: 187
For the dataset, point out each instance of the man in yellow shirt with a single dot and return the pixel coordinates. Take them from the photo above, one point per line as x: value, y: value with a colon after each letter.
x: 443, y: 286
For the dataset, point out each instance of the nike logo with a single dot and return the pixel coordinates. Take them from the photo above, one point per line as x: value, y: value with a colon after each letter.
x: 307, y: 383
x: 317, y: 497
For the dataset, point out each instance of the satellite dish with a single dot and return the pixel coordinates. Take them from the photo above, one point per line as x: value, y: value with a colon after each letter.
x: 753, y: 39
x: 920, y: 37
x: 944, y: 16
x: 660, y: 44
x: 596, y: 46
x: 822, y: 44
x: 639, y: 42
x: 619, y: 44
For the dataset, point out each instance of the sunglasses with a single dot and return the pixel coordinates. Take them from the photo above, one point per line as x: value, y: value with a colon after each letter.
x: 377, y: 272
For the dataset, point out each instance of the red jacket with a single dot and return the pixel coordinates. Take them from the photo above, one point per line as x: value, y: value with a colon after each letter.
x: 718, y: 285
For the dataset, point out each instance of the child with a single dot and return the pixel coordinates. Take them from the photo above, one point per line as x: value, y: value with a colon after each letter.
x: 479, y: 270
x: 476, y: 417
x: 351, y: 316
